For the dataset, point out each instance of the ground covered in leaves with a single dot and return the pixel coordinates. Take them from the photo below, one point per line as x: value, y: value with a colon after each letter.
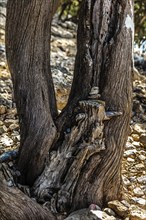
x: 63, y: 50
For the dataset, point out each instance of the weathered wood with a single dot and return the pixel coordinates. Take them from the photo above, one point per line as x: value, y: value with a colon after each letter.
x: 28, y: 54
x: 81, y: 171
x: 14, y: 205
x: 84, y: 158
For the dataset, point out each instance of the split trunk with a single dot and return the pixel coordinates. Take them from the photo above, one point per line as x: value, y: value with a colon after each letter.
x: 73, y: 159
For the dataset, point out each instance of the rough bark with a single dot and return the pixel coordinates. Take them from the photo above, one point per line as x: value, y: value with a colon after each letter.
x: 15, y: 205
x: 28, y: 54
x: 84, y: 165
x: 84, y: 160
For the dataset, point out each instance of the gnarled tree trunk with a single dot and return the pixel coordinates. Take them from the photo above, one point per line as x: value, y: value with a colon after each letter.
x: 84, y: 159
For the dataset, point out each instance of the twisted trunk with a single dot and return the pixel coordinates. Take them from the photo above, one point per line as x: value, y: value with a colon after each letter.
x: 86, y: 145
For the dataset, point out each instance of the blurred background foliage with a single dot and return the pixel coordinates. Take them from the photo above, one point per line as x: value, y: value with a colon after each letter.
x: 70, y: 8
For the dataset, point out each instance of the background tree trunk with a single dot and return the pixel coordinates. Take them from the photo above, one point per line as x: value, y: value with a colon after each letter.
x: 28, y: 53
x: 85, y: 156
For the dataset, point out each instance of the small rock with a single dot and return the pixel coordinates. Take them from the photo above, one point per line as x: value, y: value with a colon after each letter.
x: 142, y: 157
x: 142, y: 139
x: 135, y: 137
x: 3, y: 109
x: 126, y: 181
x: 3, y: 65
x: 137, y: 213
x: 125, y: 203
x: 1, y: 123
x: 109, y: 211
x: 142, y: 179
x: 131, y: 160
x: 138, y: 192
x: 119, y: 208
x: 14, y: 127
x: 129, y: 146
x: 131, y: 152
x: 138, y: 129
x: 8, y: 122
x: 102, y: 215
x: 136, y: 144
x: 139, y: 201
x: 3, y: 129
x: 139, y: 166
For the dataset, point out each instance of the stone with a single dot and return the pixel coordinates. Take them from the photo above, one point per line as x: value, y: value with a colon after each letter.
x: 142, y: 157
x: 3, y: 109
x: 137, y: 213
x: 141, y: 179
x: 125, y: 203
x: 1, y: 123
x: 8, y: 122
x: 131, y: 160
x: 14, y: 127
x: 136, y: 143
x: 139, y: 201
x: 3, y: 129
x: 119, y: 208
x: 135, y: 137
x: 138, y: 129
x: 126, y: 181
x: 86, y: 214
x: 130, y: 152
x: 140, y: 166
x: 138, y: 192
x: 102, y: 215
x: 129, y: 146
x: 142, y: 139
x: 109, y: 211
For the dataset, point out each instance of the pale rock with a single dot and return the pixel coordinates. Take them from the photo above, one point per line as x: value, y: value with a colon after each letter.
x: 136, y: 143
x: 102, y: 215
x: 5, y: 140
x: 138, y: 129
x: 129, y: 146
x: 3, y: 65
x: 109, y: 211
x: 8, y: 122
x: 86, y: 214
x: 130, y: 152
x: 137, y: 213
x: 1, y: 123
x: 142, y: 179
x: 142, y: 157
x: 139, y: 166
x: 131, y: 160
x: 124, y: 202
x: 119, y: 208
x: 139, y: 201
x: 138, y: 192
x: 14, y: 127
x: 126, y: 181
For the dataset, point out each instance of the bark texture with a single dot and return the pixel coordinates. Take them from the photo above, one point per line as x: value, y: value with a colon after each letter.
x: 85, y: 168
x: 84, y: 159
x: 15, y: 205
x: 28, y: 54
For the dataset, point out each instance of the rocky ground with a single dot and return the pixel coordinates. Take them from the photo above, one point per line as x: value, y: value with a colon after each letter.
x: 63, y: 49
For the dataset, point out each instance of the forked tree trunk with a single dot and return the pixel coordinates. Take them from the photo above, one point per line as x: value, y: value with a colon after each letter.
x: 84, y: 160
